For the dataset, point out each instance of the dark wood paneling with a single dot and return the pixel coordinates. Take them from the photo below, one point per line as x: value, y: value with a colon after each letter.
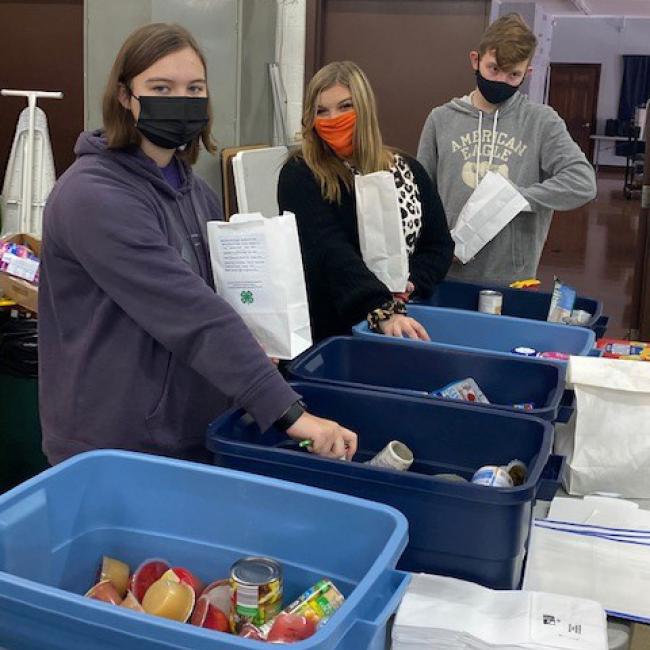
x: 415, y: 53
x: 41, y: 48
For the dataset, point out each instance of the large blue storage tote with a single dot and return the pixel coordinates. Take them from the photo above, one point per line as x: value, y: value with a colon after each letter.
x: 55, y: 528
x: 496, y: 335
x: 518, y: 303
x: 464, y: 530
x: 363, y: 363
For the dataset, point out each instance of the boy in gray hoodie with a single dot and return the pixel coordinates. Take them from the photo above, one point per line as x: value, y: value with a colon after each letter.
x: 496, y: 128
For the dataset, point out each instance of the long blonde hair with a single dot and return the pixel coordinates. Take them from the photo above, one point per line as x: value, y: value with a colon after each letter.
x: 370, y: 154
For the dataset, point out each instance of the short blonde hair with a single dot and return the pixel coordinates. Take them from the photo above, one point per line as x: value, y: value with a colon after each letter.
x: 140, y: 51
x: 511, y: 40
x: 370, y: 155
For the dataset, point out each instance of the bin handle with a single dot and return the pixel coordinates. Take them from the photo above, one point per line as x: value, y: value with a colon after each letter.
x: 566, y: 407
x: 551, y: 476
x: 376, y: 616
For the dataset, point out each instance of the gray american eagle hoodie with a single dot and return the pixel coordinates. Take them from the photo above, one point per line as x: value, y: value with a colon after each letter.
x: 526, y: 143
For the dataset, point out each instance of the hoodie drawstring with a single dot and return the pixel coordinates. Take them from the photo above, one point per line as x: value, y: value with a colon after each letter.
x: 480, y: 142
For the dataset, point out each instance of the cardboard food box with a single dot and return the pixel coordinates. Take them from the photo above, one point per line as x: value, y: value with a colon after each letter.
x: 23, y: 292
x: 626, y: 350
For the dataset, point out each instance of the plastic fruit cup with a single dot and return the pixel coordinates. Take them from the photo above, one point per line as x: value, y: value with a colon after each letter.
x: 117, y: 572
x: 169, y: 599
x: 131, y: 602
x: 104, y: 591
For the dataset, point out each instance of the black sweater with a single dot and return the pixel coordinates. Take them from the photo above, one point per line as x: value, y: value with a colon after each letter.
x: 340, y: 287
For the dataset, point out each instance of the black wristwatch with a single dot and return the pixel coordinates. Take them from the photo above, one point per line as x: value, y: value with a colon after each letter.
x: 290, y: 416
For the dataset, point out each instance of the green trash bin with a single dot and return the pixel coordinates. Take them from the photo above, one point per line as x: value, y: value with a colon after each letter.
x: 20, y: 431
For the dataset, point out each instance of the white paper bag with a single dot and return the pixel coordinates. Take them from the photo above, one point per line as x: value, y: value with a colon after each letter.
x: 257, y: 267
x: 441, y: 612
x: 609, y: 451
x: 490, y: 208
x: 381, y: 238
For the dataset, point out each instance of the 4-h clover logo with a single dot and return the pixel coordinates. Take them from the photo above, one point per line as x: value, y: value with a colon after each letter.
x: 247, y: 297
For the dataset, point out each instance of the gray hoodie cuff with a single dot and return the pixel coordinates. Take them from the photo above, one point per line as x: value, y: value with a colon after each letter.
x: 270, y: 401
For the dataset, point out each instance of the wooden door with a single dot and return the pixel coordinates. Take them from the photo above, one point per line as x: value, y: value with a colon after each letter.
x: 41, y: 48
x: 415, y: 53
x: 573, y: 93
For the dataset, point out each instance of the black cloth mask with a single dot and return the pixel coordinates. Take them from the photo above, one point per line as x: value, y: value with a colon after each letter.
x: 171, y: 122
x: 495, y: 92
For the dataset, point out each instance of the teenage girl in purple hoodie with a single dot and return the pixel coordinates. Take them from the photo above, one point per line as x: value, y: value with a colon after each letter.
x: 136, y: 349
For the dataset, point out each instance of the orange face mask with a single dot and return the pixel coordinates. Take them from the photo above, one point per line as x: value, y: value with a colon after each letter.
x: 338, y: 132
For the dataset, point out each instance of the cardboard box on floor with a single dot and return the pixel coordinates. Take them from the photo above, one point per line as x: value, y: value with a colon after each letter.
x: 24, y: 293
x: 640, y: 637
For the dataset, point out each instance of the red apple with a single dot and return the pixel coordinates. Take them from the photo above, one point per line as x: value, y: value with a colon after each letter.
x: 288, y: 628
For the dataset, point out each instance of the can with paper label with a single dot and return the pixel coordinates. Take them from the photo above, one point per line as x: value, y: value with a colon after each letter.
x: 492, y: 476
x: 490, y: 302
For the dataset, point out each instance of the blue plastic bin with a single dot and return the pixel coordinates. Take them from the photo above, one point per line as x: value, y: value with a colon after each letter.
x: 496, y: 335
x: 468, y: 531
x: 362, y: 363
x: 55, y: 528
x: 518, y: 303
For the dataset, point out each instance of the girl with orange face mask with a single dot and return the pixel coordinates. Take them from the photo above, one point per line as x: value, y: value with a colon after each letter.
x: 341, y: 138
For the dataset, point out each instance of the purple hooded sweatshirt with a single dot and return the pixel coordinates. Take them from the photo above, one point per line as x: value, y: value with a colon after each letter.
x: 136, y: 350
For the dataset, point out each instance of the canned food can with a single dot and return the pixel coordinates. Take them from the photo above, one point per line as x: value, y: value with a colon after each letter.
x: 518, y: 471
x: 317, y: 604
x: 492, y: 476
x: 524, y: 351
x: 256, y: 584
x: 580, y: 316
x: 490, y: 302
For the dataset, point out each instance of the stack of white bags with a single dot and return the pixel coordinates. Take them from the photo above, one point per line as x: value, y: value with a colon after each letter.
x: 445, y: 613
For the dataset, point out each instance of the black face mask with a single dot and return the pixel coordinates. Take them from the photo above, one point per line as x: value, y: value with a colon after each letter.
x: 171, y: 122
x: 495, y: 92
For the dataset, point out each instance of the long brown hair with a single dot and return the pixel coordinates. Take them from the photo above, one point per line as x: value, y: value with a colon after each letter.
x: 140, y: 51
x: 370, y: 154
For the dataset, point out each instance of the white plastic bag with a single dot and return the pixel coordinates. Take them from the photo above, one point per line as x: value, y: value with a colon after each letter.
x: 381, y: 237
x: 257, y: 267
x: 609, y: 451
x: 490, y: 208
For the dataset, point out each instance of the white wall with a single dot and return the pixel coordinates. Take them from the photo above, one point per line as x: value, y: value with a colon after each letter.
x: 290, y: 54
x: 238, y: 38
x: 604, y: 40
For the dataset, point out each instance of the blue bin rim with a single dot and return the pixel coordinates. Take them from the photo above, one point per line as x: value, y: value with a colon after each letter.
x: 409, y: 480
x: 362, y: 329
x: 598, y: 312
x: 547, y: 413
x: 81, y: 606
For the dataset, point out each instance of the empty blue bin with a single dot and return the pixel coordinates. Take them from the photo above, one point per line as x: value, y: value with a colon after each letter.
x: 516, y: 302
x: 495, y: 335
x: 55, y: 528
x: 410, y: 370
x: 460, y: 529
